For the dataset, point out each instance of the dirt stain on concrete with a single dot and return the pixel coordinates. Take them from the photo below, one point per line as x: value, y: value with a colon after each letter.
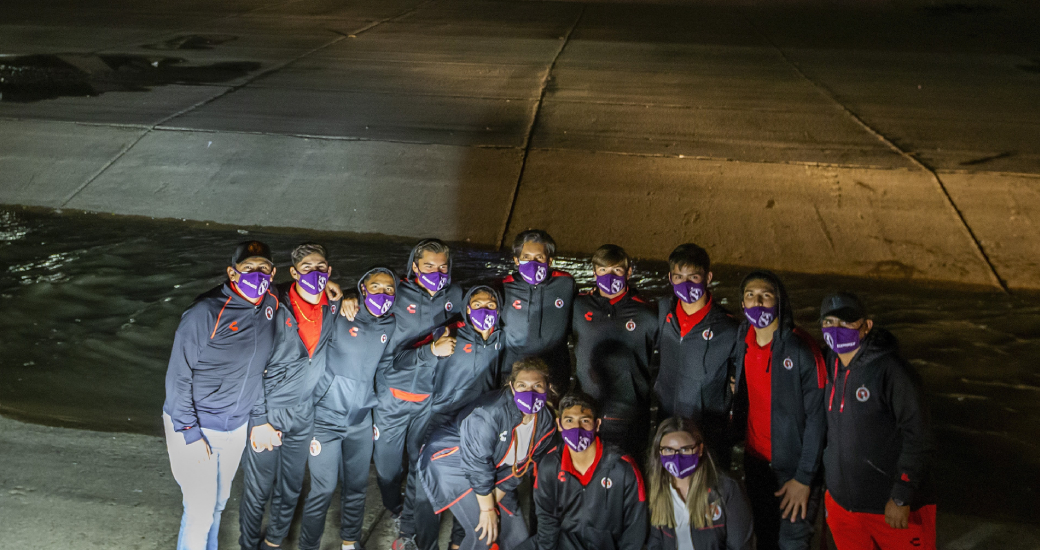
x: 191, y: 42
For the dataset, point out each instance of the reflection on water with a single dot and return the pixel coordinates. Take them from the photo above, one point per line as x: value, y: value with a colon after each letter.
x: 90, y: 303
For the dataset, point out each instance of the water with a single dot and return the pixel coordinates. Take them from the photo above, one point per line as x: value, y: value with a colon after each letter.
x: 89, y: 305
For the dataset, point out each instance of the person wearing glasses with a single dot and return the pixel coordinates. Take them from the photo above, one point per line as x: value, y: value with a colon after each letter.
x: 692, y: 504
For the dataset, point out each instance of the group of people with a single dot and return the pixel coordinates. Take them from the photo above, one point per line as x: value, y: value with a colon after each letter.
x: 615, y: 418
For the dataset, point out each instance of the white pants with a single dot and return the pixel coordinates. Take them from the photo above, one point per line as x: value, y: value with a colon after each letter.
x: 205, y: 486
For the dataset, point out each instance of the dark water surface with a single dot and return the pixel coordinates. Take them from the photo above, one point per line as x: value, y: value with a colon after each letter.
x: 89, y: 305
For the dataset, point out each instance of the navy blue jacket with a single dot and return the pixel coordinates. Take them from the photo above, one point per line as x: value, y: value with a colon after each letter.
x: 418, y: 312
x: 537, y: 321
x: 215, y: 374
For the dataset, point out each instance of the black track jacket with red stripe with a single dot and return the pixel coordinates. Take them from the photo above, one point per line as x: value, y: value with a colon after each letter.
x: 536, y: 320
x: 879, y: 445
x: 731, y: 523
x: 215, y: 374
x: 607, y: 513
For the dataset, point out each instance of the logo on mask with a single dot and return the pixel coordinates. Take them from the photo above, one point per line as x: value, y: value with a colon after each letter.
x: 269, y: 313
x: 862, y: 394
x: 559, y: 303
x: 708, y: 334
x: 382, y: 339
x: 765, y: 318
x: 315, y: 447
x: 606, y: 483
x: 788, y: 363
x: 448, y: 306
x: 630, y: 325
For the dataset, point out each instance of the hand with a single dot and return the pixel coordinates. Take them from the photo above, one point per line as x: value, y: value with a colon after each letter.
x: 443, y: 346
x: 487, y: 527
x: 349, y: 308
x: 265, y: 438
x: 795, y: 497
x: 896, y: 516
x: 199, y: 451
x: 333, y: 291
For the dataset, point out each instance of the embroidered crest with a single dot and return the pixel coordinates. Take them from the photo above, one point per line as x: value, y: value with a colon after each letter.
x: 630, y: 325
x: 716, y: 512
x: 606, y: 483
x: 788, y: 363
x: 862, y: 394
x: 332, y: 309
x: 382, y: 338
x: 559, y: 303
x: 375, y: 433
x: 315, y: 447
x: 448, y: 306
x: 708, y: 334
x: 269, y: 312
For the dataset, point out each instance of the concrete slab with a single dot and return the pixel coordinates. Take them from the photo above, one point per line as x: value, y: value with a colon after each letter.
x: 404, y: 116
x: 863, y: 222
x: 1004, y: 212
x: 146, y: 107
x: 389, y: 46
x: 42, y: 163
x: 366, y: 187
x: 37, y: 39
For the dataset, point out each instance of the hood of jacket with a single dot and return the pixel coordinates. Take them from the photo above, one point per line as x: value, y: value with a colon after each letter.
x: 409, y: 272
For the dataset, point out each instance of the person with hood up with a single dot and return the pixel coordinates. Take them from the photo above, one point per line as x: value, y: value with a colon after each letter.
x: 779, y: 401
x: 341, y: 446
x: 879, y: 445
x: 473, y: 464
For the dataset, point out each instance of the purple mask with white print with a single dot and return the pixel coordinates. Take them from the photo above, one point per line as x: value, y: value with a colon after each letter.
x: 483, y: 318
x: 841, y: 339
x: 689, y: 291
x: 578, y: 438
x: 378, y: 304
x: 680, y: 465
x: 533, y: 272
x: 253, y: 285
x: 760, y: 316
x: 529, y: 402
x: 314, y: 282
x: 432, y: 281
x: 609, y: 283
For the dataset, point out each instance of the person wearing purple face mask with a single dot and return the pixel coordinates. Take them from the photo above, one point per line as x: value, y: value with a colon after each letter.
x: 692, y: 504
x: 697, y: 339
x: 779, y: 402
x: 615, y: 334
x: 214, y: 381
x: 281, y: 429
x: 536, y: 313
x: 589, y: 494
x: 341, y: 446
x: 473, y: 464
x: 879, y: 443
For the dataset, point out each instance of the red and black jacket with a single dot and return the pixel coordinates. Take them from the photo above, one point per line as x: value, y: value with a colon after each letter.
x: 604, y: 509
x: 732, y: 527
x: 614, y: 345
x: 536, y: 320
x: 879, y: 444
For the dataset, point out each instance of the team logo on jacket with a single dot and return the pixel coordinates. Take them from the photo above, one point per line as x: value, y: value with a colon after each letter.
x: 502, y: 436
x: 562, y: 477
x: 332, y: 309
x: 315, y: 447
x: 862, y: 394
x: 375, y: 433
x: 448, y: 306
x: 716, y: 512
x: 411, y: 308
x: 708, y: 334
x: 588, y: 316
x: 559, y: 303
x: 516, y: 304
x: 630, y: 325
x: 606, y: 483
x: 269, y: 312
x: 788, y: 363
x: 353, y: 331
x: 382, y: 338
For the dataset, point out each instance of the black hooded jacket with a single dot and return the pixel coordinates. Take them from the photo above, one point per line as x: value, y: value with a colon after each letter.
x: 357, y: 350
x: 417, y: 312
x: 798, y: 420
x: 536, y: 320
x: 879, y: 445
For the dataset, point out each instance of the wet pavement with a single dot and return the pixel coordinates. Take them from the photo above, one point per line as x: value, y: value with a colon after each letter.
x: 90, y: 304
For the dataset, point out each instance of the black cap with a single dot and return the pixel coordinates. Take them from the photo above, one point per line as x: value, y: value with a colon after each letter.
x: 843, y: 305
x: 251, y: 249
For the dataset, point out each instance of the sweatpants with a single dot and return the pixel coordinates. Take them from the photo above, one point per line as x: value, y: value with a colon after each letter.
x: 341, y: 453
x: 428, y: 523
x: 400, y: 428
x: 275, y: 476
x: 512, y: 531
x: 206, y: 485
x: 772, y: 531
x: 862, y: 531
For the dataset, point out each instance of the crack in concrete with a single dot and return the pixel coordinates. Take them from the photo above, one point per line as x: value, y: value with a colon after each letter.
x: 910, y: 157
x: 529, y: 138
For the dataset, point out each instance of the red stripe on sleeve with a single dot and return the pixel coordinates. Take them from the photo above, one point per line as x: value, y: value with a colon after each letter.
x: 639, y: 477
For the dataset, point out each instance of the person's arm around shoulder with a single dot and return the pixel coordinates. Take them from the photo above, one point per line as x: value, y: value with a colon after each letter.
x: 635, y: 518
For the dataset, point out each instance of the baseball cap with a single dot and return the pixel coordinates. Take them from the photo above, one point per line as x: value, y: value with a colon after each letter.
x: 251, y: 249
x: 843, y: 305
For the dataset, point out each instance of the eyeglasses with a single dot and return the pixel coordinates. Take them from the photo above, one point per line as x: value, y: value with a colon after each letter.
x: 670, y: 451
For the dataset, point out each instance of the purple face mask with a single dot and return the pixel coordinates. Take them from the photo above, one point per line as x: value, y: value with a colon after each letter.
x: 433, y: 281
x: 760, y: 316
x: 689, y: 291
x: 610, y: 283
x: 483, y: 318
x: 314, y: 282
x: 578, y: 439
x: 533, y: 272
x: 378, y: 304
x: 529, y: 402
x: 841, y: 339
x: 253, y: 285
x: 680, y: 465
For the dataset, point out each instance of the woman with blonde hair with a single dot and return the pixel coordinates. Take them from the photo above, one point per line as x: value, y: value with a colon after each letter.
x: 692, y: 504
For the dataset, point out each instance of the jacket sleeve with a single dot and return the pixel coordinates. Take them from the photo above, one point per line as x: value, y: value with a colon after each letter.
x: 544, y: 497
x: 633, y: 537
x: 656, y: 539
x: 813, y: 379
x: 903, y: 392
x: 419, y: 355
x: 478, y: 436
x: 191, y: 338
x: 739, y: 524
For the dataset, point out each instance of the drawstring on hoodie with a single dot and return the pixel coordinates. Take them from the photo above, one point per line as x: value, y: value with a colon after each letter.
x: 834, y: 386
